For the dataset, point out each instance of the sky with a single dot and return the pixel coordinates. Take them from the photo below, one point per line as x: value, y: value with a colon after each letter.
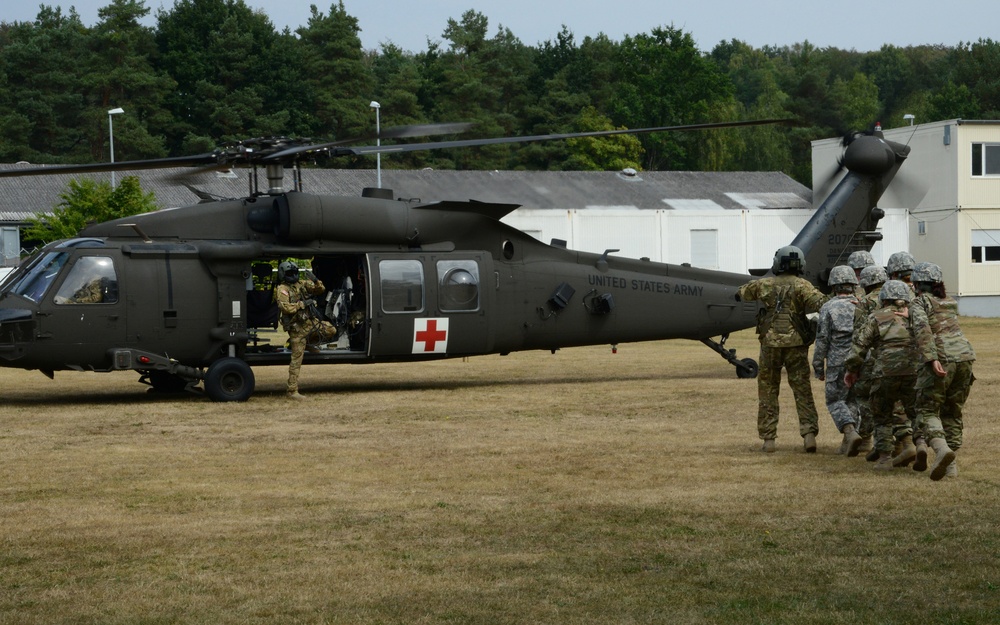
x: 847, y: 24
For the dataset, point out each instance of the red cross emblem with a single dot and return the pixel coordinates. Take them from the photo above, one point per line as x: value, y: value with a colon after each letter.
x: 430, y: 336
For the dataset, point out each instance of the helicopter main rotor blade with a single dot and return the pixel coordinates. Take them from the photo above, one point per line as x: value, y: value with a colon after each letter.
x: 395, y: 132
x: 156, y: 163
x: 465, y: 143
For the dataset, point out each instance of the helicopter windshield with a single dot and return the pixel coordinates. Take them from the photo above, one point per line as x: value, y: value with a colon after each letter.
x: 33, y: 283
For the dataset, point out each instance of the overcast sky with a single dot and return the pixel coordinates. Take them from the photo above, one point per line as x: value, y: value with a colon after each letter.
x: 846, y: 24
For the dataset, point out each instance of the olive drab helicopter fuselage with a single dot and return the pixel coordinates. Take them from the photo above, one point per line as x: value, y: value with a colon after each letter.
x: 180, y: 295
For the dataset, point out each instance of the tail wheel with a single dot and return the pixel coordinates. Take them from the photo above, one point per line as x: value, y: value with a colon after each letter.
x: 229, y: 379
x: 747, y: 368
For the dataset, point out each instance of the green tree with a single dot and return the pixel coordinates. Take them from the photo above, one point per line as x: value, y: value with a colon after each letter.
x: 89, y: 201
x: 857, y: 100
x: 220, y: 54
x: 340, y: 84
x: 123, y: 74
x: 613, y: 153
x: 664, y: 80
x: 45, y: 93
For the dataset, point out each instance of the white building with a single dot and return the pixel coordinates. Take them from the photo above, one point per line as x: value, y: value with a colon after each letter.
x: 949, y: 190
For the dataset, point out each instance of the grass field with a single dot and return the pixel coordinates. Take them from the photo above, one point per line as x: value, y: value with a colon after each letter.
x: 581, y: 487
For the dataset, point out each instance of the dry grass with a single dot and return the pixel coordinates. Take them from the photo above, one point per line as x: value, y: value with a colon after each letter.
x: 583, y: 487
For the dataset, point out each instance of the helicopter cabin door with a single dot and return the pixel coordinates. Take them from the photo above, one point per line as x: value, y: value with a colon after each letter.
x: 431, y: 304
x: 83, y: 315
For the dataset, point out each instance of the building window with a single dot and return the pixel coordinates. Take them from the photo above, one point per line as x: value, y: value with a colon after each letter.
x: 986, y: 246
x: 986, y: 159
x: 705, y: 249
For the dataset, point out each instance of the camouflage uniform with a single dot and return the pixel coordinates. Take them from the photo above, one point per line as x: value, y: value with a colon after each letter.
x: 888, y: 333
x: 862, y: 389
x: 785, y: 300
x: 833, y: 344
x: 90, y: 293
x: 300, y: 323
x: 940, y: 400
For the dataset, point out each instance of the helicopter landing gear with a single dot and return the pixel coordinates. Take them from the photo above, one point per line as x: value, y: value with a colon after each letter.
x: 164, y: 382
x: 745, y: 368
x: 229, y: 379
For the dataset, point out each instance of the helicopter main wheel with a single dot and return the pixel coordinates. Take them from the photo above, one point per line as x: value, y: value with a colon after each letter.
x: 747, y: 368
x: 229, y: 379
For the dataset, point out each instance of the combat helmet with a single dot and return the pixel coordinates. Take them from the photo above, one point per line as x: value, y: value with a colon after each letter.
x: 841, y: 274
x: 789, y: 259
x: 926, y: 272
x: 894, y: 290
x: 900, y: 263
x: 860, y: 259
x: 872, y: 275
x: 288, y: 272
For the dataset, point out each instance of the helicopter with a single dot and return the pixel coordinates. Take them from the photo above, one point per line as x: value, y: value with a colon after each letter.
x: 180, y: 295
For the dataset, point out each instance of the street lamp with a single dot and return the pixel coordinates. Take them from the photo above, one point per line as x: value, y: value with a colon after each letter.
x: 378, y: 142
x: 111, y: 137
x: 909, y: 116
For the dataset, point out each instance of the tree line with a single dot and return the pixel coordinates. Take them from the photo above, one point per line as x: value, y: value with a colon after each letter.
x: 215, y: 71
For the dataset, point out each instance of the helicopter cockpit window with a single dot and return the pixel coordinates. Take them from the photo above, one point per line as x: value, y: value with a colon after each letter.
x: 402, y: 284
x: 36, y: 280
x: 92, y: 280
x: 458, y: 285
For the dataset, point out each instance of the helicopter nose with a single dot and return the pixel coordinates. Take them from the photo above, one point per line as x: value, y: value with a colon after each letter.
x: 17, y: 331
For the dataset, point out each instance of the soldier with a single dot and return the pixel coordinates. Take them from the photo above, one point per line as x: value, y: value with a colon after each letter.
x: 871, y: 280
x: 857, y: 261
x: 784, y: 335
x: 833, y: 345
x: 299, y: 318
x: 900, y: 265
x: 888, y: 332
x: 941, y: 393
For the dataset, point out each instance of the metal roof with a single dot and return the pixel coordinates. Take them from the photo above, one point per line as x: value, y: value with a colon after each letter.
x: 663, y: 190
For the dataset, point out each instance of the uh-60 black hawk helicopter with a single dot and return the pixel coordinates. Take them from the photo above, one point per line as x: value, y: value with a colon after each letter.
x: 172, y: 294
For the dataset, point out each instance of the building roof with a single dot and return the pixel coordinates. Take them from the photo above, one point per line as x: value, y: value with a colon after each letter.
x: 531, y: 189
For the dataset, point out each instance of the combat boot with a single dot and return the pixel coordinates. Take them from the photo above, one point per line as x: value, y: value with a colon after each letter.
x: 809, y: 443
x: 943, y: 457
x: 295, y: 395
x: 920, y: 463
x: 884, y: 462
x: 866, y: 444
x: 768, y: 447
x: 852, y: 441
x: 907, y: 453
x: 952, y: 470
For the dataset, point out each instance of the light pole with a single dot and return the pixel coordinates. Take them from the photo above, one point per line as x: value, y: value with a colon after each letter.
x: 111, y: 137
x: 909, y: 116
x: 378, y: 142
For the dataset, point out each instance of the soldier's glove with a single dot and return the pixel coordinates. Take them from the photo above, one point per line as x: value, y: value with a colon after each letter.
x: 820, y: 374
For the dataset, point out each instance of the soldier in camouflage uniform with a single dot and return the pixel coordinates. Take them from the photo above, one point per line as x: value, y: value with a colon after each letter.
x: 299, y: 318
x: 888, y: 333
x: 833, y: 346
x: 900, y: 266
x: 784, y: 335
x: 857, y: 261
x: 941, y: 393
x: 871, y: 280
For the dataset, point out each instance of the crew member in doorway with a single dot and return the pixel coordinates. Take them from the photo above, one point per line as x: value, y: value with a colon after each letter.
x: 300, y: 318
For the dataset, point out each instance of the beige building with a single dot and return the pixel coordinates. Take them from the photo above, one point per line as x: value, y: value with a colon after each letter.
x: 949, y: 187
